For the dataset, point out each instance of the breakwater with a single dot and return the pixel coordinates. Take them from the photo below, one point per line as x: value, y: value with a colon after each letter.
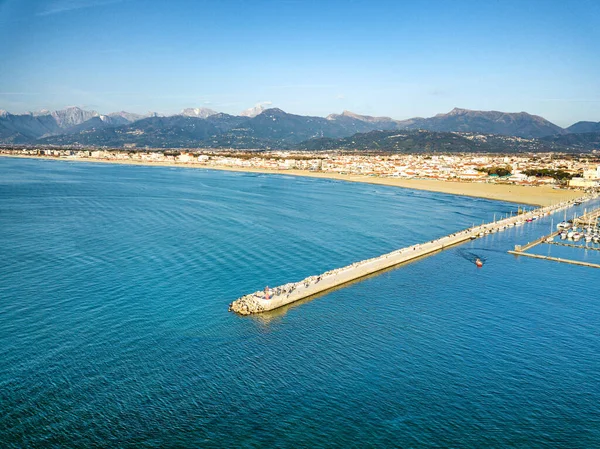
x: 273, y: 298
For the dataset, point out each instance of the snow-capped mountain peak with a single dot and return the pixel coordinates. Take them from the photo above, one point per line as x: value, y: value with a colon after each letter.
x: 198, y: 112
x: 257, y: 109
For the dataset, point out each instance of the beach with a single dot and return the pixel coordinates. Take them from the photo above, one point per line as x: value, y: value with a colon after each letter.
x: 531, y: 195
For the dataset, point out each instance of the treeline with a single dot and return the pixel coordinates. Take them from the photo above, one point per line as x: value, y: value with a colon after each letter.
x: 559, y: 175
x: 499, y: 171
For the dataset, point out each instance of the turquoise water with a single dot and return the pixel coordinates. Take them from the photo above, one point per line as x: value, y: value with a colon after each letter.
x: 114, y: 330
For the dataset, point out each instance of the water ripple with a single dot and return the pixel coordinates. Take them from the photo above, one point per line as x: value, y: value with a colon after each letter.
x: 114, y: 332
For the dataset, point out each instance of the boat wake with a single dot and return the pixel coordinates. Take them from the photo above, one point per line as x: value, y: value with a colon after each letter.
x: 488, y: 250
x: 470, y: 256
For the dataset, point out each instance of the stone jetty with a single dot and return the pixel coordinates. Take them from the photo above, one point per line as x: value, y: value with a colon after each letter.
x: 273, y: 298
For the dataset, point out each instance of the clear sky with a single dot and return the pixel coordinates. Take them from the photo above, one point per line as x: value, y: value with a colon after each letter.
x: 396, y: 58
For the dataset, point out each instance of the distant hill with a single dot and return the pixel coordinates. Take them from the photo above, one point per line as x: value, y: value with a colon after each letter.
x: 405, y: 141
x: 26, y: 128
x: 225, y: 122
x: 353, y: 123
x: 519, y: 124
x: 275, y: 124
x: 72, y: 116
x: 581, y: 141
x: 584, y: 127
x: 8, y: 135
x: 274, y: 128
x: 157, y: 132
x: 417, y: 141
x: 99, y: 122
x: 129, y: 117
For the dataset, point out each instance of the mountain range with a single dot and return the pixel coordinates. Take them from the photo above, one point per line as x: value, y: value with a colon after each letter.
x: 260, y: 128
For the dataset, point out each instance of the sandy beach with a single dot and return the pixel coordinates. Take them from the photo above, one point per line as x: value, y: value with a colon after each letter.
x: 532, y: 195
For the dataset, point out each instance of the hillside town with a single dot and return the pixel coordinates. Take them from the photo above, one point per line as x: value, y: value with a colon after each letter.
x: 522, y: 169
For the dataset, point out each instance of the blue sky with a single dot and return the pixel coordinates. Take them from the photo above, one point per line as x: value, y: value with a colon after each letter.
x: 394, y: 58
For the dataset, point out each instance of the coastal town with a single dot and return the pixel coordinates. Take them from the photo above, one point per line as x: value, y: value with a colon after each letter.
x: 564, y: 170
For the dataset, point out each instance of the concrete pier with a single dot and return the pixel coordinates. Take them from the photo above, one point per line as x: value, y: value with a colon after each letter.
x: 588, y: 219
x: 537, y: 242
x: 262, y: 301
x: 556, y: 259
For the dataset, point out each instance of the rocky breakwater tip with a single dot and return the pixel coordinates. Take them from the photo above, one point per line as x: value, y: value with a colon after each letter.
x: 260, y: 301
x: 247, y: 304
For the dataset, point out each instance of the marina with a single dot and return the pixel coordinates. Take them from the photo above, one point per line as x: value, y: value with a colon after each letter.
x: 583, y: 228
x: 571, y: 245
x: 273, y: 298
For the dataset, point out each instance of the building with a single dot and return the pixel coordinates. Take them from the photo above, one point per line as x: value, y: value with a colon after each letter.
x: 592, y: 173
x: 583, y: 182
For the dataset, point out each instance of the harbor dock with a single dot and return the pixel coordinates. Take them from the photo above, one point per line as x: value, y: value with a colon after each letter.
x: 588, y: 219
x: 273, y: 298
x: 555, y: 259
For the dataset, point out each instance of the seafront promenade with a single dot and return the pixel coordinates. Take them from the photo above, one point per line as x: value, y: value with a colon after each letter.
x: 262, y: 301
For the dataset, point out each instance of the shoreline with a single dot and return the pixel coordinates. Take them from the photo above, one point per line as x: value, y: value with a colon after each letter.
x: 530, y: 195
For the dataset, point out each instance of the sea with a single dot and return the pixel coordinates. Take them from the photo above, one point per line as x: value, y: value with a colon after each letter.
x: 115, y: 282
